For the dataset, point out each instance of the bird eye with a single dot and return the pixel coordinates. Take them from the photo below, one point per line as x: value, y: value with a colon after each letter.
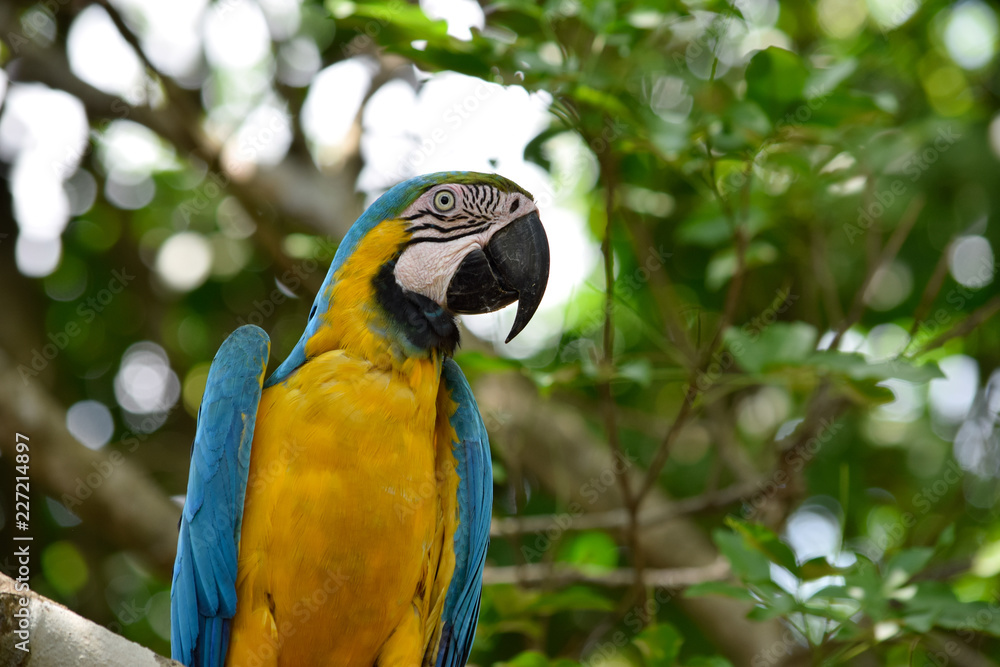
x: 444, y: 200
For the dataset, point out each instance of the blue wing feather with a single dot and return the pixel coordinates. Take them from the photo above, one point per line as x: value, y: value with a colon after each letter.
x: 203, y: 591
x: 472, y: 538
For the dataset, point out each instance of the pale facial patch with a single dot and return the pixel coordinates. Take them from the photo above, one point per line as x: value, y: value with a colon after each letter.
x: 443, y: 236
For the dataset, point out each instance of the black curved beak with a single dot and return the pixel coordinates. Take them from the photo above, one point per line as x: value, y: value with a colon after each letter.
x: 514, y: 266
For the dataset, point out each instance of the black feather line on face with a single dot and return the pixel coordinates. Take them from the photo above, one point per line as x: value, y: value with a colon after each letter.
x: 480, y: 203
x: 445, y: 230
x: 481, y: 195
x: 444, y: 239
x: 426, y: 212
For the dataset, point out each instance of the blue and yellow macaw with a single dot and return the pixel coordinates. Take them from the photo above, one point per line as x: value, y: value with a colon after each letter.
x: 338, y: 513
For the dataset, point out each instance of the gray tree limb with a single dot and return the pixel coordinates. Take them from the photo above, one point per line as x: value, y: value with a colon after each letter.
x: 57, y: 637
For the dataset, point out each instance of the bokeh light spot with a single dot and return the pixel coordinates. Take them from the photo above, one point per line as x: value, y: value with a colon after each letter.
x: 184, y: 261
x: 91, y: 423
x: 972, y: 261
x: 64, y: 567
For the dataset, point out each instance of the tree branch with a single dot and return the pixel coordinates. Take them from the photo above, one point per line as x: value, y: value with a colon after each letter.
x: 57, y: 637
x: 884, y: 258
x: 977, y: 317
x: 617, y: 519
x: 564, y: 575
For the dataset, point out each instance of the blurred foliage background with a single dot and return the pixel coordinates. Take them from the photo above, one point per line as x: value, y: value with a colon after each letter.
x: 756, y: 420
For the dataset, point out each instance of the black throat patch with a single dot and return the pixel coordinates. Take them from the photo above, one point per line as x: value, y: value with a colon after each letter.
x: 423, y: 323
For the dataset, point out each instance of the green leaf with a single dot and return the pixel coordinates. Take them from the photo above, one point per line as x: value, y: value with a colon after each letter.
x: 602, y: 100
x: 400, y: 20
x: 757, y: 345
x: 937, y: 598
x: 719, y: 588
x: 64, y: 567
x: 857, y: 367
x: 524, y: 19
x: 776, y: 78
x: 593, y: 551
x: 946, y: 538
x: 824, y: 81
x: 744, y: 125
x: 527, y: 659
x: 722, y: 267
x: 659, y: 644
x: 815, y: 568
x: 767, y: 612
x: 864, y: 583
x: 574, y: 598
x: 921, y: 621
x: 731, y: 177
x: 747, y: 563
x: 473, y: 362
x: 867, y: 392
x: 535, y: 151
x: 707, y: 661
x: 905, y: 564
x: 639, y: 371
x: 766, y: 542
x: 711, y: 229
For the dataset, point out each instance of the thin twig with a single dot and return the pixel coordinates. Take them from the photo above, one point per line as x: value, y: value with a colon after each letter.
x: 825, y: 277
x: 608, y: 170
x: 564, y: 575
x: 663, y: 292
x: 885, y: 257
x: 732, y: 295
x: 618, y: 518
x: 931, y: 290
x: 180, y: 98
x: 728, y: 312
x: 660, y: 459
x: 978, y: 316
x: 822, y: 413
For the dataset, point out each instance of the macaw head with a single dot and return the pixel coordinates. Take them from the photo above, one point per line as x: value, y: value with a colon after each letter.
x: 430, y: 248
